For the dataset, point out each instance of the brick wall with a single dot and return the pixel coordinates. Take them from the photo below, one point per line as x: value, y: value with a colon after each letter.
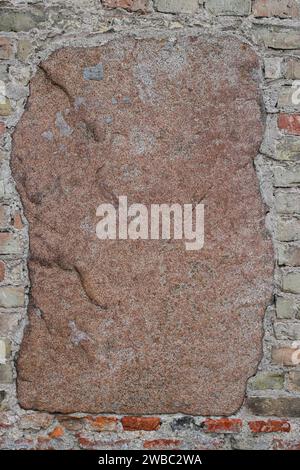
x: 269, y: 417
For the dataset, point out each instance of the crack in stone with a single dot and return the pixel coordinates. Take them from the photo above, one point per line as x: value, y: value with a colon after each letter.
x: 55, y: 83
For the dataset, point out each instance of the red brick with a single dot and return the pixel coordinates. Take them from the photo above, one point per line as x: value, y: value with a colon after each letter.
x: 162, y: 444
x: 2, y: 128
x: 271, y: 425
x: 223, y: 425
x: 130, y: 5
x: 2, y: 271
x: 6, y: 49
x: 57, y: 432
x: 103, y: 423
x: 290, y: 123
x: 134, y: 423
x: 87, y: 443
x: 18, y: 224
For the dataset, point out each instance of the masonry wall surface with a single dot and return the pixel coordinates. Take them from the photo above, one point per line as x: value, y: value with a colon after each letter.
x: 269, y: 417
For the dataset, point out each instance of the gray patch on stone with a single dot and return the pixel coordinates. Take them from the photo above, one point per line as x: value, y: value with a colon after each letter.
x: 94, y: 73
x: 108, y: 120
x: 62, y: 125
x: 48, y: 135
x: 77, y: 335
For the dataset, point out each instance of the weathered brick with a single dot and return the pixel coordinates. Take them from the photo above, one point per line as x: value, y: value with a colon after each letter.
x: 9, y: 244
x: 271, y: 425
x: 36, y: 421
x: 288, y: 255
x: 287, y: 330
x: 5, y: 107
x: 71, y: 423
x: 288, y: 149
x: 162, y: 444
x: 176, y: 6
x: 280, y: 444
x: 286, y: 176
x: 292, y: 70
x: 6, y: 375
x: 2, y: 396
x: 289, y: 123
x: 288, y: 98
x: 103, y: 423
x: 2, y: 271
x: 291, y: 282
x: 223, y: 425
x: 12, y: 297
x: 278, y: 38
x: 267, y: 381
x: 288, y: 229
x: 6, y: 49
x: 293, y: 382
x: 287, y: 202
x: 283, y: 406
x: 285, y: 308
x: 135, y: 423
x: 130, y: 5
x: 229, y: 7
x: 278, y: 8
x: 20, y: 20
x: 273, y: 67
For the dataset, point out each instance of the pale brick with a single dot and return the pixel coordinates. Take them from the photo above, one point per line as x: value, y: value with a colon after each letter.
x: 287, y: 330
x: 176, y: 6
x: 20, y: 20
x: 288, y: 255
x: 293, y: 383
x: 285, y: 308
x: 285, y: 176
x: 5, y: 350
x: 287, y: 202
x: 291, y: 282
x: 229, y: 7
x: 278, y: 8
x: 6, y: 375
x: 5, y: 108
x: 280, y: 38
x: 9, y: 244
x: 267, y: 381
x: 24, y: 49
x: 288, y: 149
x: 8, y: 323
x: 12, y: 297
x: 273, y: 67
x: 288, y: 229
x: 6, y: 49
x: 36, y: 421
x: 289, y: 98
x: 293, y: 69
x: 4, y: 217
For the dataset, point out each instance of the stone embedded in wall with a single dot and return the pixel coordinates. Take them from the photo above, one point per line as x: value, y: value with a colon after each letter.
x: 143, y: 327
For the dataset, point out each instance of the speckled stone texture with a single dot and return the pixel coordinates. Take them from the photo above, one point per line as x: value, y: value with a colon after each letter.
x: 143, y: 326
